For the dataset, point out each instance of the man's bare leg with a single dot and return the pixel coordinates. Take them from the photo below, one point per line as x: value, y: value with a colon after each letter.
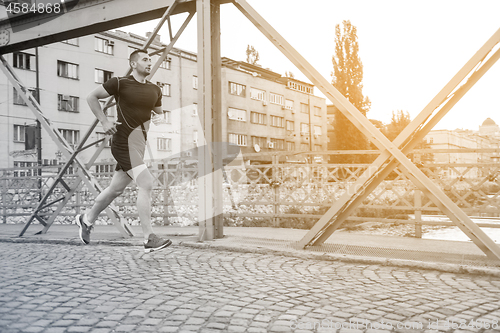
x: 118, y: 184
x: 86, y: 221
x: 144, y: 182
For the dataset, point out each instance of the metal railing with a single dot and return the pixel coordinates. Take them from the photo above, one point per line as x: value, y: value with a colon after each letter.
x: 278, y: 189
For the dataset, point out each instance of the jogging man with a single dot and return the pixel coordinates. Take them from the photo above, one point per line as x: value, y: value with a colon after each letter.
x: 135, y: 98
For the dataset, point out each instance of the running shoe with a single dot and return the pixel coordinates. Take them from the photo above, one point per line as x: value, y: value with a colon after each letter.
x: 155, y: 243
x: 85, y: 229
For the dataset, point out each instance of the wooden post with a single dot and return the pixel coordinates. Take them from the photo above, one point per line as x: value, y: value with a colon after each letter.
x: 165, y: 194
x: 217, y: 147
x: 4, y: 197
x: 276, y: 191
x: 418, y: 213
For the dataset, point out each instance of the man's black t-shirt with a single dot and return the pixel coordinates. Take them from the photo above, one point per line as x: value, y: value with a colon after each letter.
x: 134, y: 102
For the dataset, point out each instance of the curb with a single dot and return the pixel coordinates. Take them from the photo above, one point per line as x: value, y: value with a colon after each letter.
x: 403, y: 263
x: 301, y: 254
x: 75, y: 242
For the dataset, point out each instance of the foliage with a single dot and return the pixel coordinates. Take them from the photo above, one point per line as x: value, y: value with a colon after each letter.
x: 347, y: 77
x: 400, y: 119
x: 252, y: 55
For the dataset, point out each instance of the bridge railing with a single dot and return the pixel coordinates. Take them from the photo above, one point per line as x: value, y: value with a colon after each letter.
x: 281, y: 189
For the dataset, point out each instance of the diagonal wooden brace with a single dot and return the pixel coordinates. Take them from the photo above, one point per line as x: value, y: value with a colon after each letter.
x: 374, y: 135
x: 83, y: 172
x: 349, y: 201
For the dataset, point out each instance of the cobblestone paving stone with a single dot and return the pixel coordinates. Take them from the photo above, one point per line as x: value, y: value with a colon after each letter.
x: 65, y: 288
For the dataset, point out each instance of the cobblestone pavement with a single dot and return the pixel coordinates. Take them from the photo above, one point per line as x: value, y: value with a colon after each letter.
x: 65, y: 288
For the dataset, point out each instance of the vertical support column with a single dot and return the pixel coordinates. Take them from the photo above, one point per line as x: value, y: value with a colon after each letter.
x: 276, y: 190
x: 418, y: 213
x: 218, y: 148
x: 205, y: 180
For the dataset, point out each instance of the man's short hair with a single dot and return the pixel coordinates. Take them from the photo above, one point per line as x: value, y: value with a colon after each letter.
x: 135, y: 55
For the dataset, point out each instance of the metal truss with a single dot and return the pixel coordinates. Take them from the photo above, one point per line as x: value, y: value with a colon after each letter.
x: 393, y: 153
x: 70, y: 154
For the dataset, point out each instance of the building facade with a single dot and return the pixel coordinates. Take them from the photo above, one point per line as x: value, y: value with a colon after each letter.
x: 67, y: 73
x: 487, y: 137
x: 265, y: 112
x: 261, y: 110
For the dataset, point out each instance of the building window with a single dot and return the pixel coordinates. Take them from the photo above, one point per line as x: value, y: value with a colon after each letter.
x: 105, y: 168
x: 317, y: 147
x: 277, y: 144
x: 304, y: 128
x: 237, y: 89
x: 257, y: 94
x: 290, y: 125
x: 318, y: 130
x: 195, y: 82
x: 18, y: 100
x: 304, y: 147
x: 19, y: 133
x: 164, y: 144
x: 24, y: 61
x: 276, y: 99
x: 167, y: 115
x: 102, y: 76
x: 299, y: 87
x: 166, y: 64
x: 259, y: 140
x: 66, y: 69
x: 104, y: 45
x: 102, y: 135
x: 71, y: 136
x: 195, y: 109
x: 304, y: 108
x: 72, y: 41
x: 237, y: 114
x: 277, y: 121
x: 67, y: 103
x: 27, y: 172
x: 290, y: 146
x: 258, y: 118
x: 317, y: 111
x: 289, y: 104
x: 165, y: 88
x: 237, y: 139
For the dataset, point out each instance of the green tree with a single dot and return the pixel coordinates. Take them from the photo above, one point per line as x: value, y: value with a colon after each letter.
x: 252, y: 55
x: 347, y: 77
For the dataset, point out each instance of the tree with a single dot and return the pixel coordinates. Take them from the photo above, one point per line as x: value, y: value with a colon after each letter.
x: 399, y: 121
x: 347, y: 77
x: 252, y: 55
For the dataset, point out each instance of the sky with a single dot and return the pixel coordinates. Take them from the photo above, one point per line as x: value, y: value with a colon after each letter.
x: 409, y: 49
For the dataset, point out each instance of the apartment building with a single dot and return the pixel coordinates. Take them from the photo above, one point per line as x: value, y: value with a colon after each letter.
x: 261, y: 110
x: 67, y: 72
x: 488, y: 136
x: 265, y: 112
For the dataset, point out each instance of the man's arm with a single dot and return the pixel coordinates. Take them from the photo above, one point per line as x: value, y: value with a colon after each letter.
x: 93, y: 98
x: 158, y: 110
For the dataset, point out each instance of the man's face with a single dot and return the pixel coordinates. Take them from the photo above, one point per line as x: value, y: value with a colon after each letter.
x: 143, y: 64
